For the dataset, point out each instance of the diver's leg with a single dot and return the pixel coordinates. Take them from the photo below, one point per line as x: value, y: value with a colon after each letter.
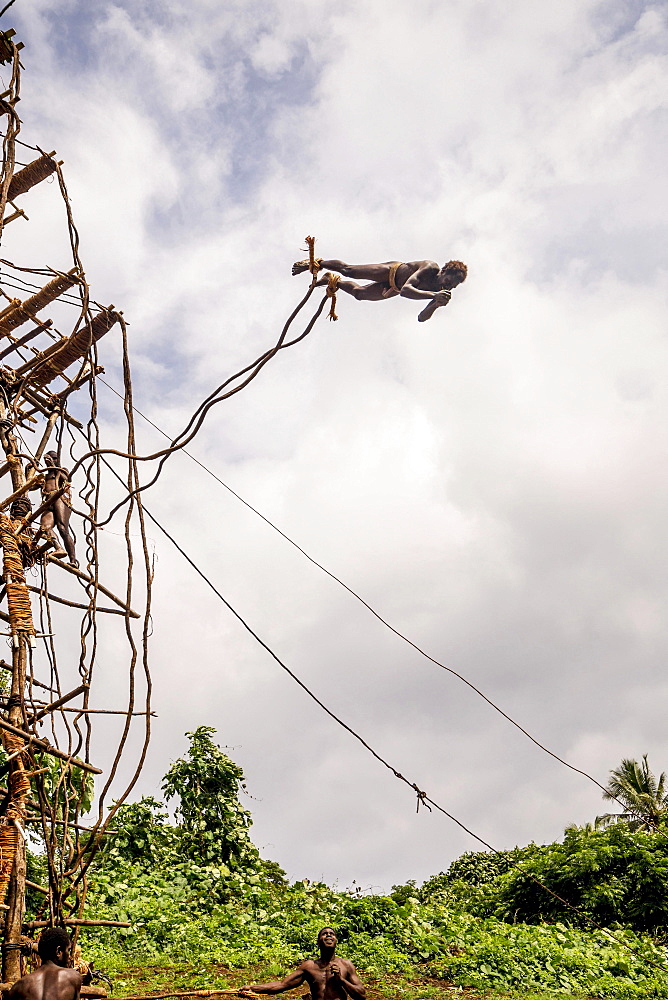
x: 373, y: 292
x: 360, y: 272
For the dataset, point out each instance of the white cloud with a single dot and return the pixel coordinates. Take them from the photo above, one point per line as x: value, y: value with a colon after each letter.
x: 490, y: 481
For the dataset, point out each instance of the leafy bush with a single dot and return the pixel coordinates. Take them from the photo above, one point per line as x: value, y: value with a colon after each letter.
x: 142, y: 833
x: 197, y: 891
x: 173, y: 921
x: 213, y: 823
x: 614, y: 876
x: 479, y: 868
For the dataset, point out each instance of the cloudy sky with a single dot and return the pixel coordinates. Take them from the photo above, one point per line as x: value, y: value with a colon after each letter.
x: 492, y: 481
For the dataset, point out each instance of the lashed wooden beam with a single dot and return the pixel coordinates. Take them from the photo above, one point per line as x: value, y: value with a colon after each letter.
x: 98, y: 586
x: 17, y: 315
x: 56, y: 704
x: 74, y: 604
x: 34, y: 172
x: 37, y: 743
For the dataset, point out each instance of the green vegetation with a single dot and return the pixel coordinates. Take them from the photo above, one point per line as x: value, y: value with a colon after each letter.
x: 203, y: 905
x: 644, y: 798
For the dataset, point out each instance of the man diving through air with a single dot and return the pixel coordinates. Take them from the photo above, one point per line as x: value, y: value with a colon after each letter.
x: 417, y: 279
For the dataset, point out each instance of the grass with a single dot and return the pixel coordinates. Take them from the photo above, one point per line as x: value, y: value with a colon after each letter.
x: 153, y: 979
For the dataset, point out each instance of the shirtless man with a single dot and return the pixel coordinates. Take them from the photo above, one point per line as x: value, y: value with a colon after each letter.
x: 418, y: 279
x: 54, y: 980
x: 328, y: 977
x: 58, y: 514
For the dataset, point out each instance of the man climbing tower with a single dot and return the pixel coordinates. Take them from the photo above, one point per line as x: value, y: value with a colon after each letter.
x: 417, y: 279
x: 57, y: 514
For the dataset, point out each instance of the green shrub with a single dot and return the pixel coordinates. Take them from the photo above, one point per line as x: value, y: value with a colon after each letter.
x: 197, y: 891
x: 614, y: 876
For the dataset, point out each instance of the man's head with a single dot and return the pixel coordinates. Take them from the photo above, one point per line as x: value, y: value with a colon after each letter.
x: 452, y: 274
x: 51, y: 458
x: 54, y: 946
x: 327, y: 938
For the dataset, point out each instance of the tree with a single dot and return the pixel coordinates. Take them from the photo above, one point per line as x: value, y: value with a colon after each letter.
x: 645, y: 799
x: 213, y: 824
x: 611, y: 876
x: 142, y: 834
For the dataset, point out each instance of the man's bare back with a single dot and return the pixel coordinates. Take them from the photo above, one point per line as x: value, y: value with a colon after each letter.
x: 328, y: 977
x: 53, y: 980
x: 49, y: 982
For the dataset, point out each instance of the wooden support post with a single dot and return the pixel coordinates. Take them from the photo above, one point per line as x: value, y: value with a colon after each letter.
x: 18, y: 213
x: 56, y: 704
x: 41, y: 746
x: 18, y: 788
x: 37, y: 888
x: 40, y: 300
x: 74, y: 826
x: 21, y: 491
x: 74, y: 922
x: 73, y: 604
x: 44, y: 406
x: 46, y: 325
x: 109, y: 711
x: 98, y: 586
x: 87, y: 375
x: 50, y: 424
x: 11, y: 954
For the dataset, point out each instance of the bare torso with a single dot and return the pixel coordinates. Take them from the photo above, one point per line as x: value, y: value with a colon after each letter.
x: 322, y: 984
x: 49, y: 982
x: 427, y: 279
x: 328, y: 978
